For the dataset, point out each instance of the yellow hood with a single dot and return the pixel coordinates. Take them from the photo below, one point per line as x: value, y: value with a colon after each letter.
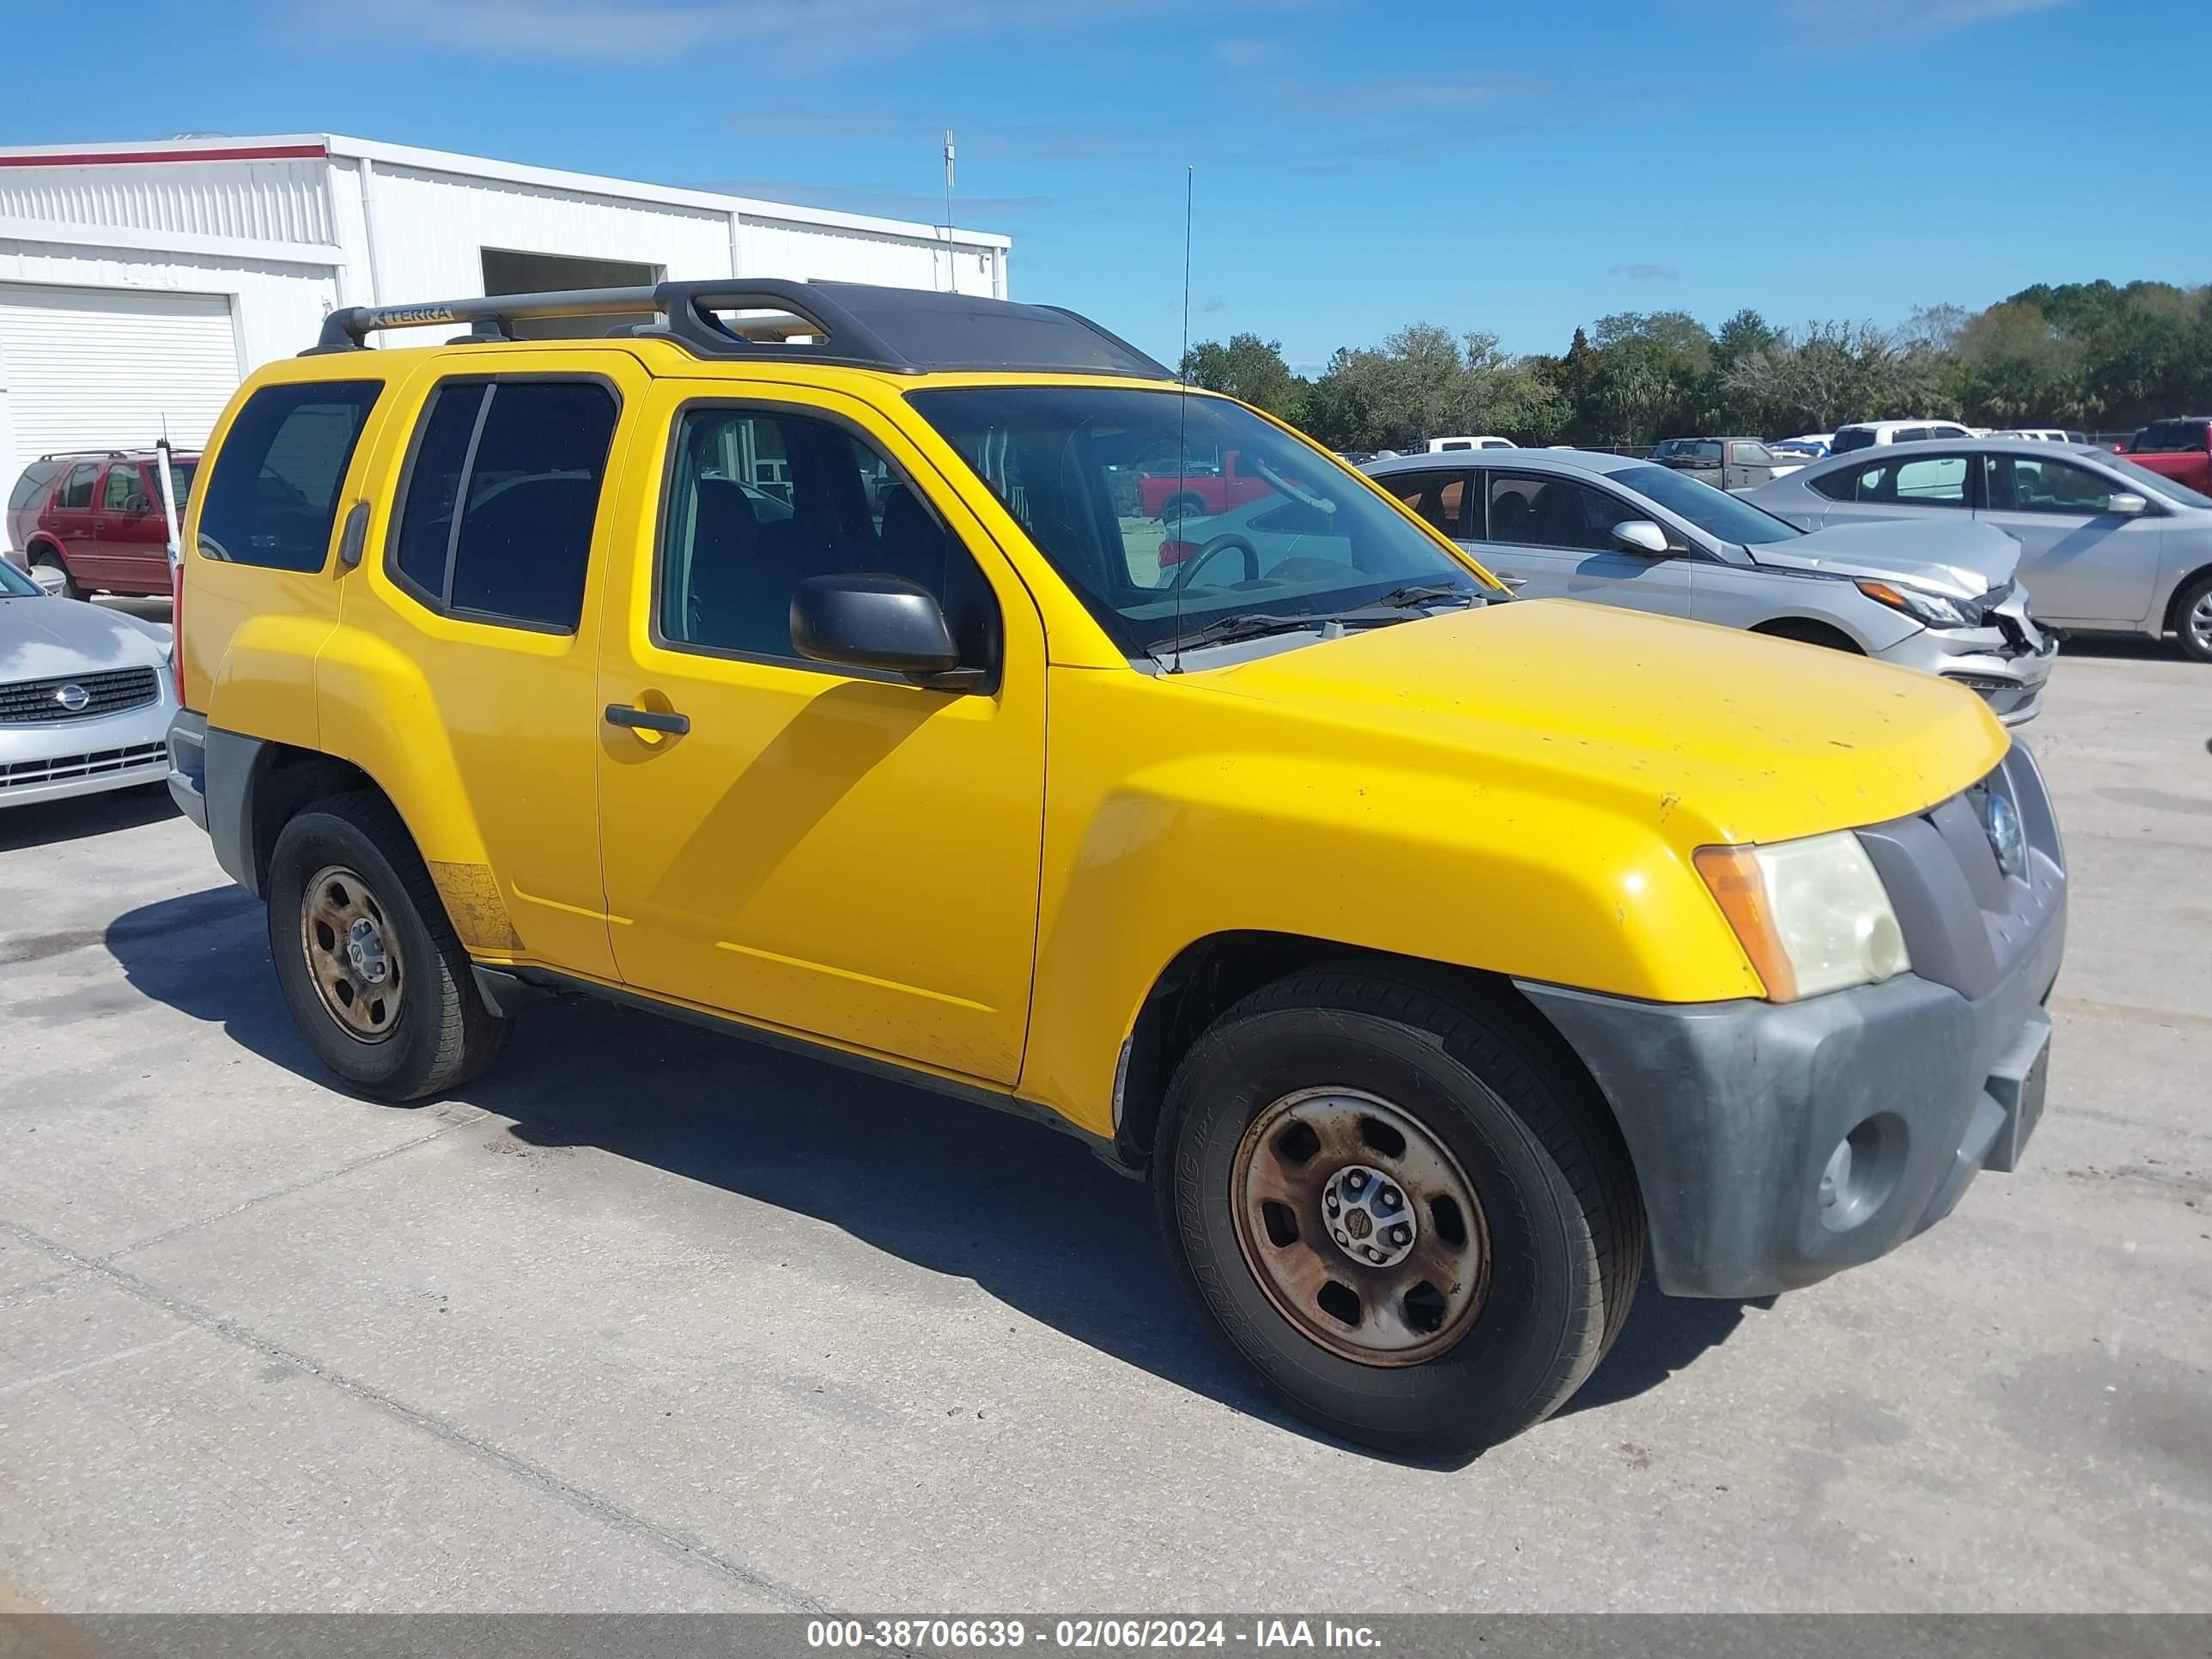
x: 1721, y: 735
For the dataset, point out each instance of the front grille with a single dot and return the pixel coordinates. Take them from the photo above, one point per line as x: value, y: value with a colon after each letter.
x: 112, y: 691
x: 64, y: 769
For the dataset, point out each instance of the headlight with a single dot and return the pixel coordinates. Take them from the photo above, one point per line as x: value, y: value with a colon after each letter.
x: 1931, y: 609
x: 1811, y: 915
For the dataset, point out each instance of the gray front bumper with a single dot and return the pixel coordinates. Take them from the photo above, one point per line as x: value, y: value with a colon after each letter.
x: 1733, y: 1111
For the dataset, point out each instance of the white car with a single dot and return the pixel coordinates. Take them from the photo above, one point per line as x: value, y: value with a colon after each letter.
x: 86, y: 694
x: 1442, y: 446
x: 1865, y: 434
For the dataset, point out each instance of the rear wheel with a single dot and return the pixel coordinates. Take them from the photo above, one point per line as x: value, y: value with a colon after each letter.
x: 56, y: 578
x: 368, y: 962
x: 1419, y: 1229
x: 2192, y: 619
x: 1178, y: 507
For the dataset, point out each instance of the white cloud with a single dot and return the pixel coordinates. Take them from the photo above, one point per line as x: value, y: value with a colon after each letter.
x: 1818, y: 24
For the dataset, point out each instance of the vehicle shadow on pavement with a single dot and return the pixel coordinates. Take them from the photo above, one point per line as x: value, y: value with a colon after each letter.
x: 1664, y: 1335
x: 45, y: 823
x: 1026, y: 1213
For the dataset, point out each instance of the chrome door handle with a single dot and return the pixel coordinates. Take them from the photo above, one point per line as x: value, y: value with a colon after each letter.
x: 648, y: 720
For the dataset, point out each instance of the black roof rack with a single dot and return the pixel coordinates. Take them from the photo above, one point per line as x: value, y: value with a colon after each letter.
x: 853, y: 325
x: 85, y: 455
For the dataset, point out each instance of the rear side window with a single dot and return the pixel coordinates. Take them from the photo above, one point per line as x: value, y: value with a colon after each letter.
x: 273, y: 493
x: 1439, y: 498
x: 2171, y: 437
x: 28, y: 488
x: 76, y: 488
x: 1850, y: 438
x: 502, y: 494
x: 1922, y: 481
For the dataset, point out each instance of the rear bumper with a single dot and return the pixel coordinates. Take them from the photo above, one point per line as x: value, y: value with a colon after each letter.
x: 187, y: 765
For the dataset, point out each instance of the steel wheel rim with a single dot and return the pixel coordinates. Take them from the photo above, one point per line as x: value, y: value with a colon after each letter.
x: 1308, y: 1164
x: 2200, y: 621
x: 352, y: 955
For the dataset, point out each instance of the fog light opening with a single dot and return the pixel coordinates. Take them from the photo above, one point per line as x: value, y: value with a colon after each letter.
x: 1862, y: 1172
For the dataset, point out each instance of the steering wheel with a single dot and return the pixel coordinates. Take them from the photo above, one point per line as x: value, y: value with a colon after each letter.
x: 1186, y: 573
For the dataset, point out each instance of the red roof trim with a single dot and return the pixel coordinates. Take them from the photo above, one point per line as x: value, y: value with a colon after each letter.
x: 98, y: 158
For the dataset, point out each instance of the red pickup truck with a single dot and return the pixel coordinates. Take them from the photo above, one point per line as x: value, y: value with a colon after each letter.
x: 1193, y: 495
x: 2181, y: 450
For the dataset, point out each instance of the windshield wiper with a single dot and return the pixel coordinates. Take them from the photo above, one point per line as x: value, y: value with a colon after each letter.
x: 1403, y: 598
x: 1244, y: 625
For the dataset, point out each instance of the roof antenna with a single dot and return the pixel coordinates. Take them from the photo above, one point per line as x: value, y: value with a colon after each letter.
x: 951, y: 274
x: 1182, y: 418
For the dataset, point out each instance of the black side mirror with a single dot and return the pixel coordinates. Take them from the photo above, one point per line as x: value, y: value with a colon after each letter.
x: 879, y: 621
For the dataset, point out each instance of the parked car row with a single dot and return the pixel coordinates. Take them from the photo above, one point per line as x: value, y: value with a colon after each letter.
x: 2106, y: 544
x: 1567, y: 524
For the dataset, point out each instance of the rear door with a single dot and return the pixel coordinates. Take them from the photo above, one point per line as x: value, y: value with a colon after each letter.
x: 501, y: 512
x: 2080, y: 563
x: 1552, y: 537
x: 130, y: 536
x: 70, y: 521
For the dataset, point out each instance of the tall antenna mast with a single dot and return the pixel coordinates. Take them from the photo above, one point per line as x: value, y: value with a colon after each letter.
x: 1183, y: 413
x: 952, y: 276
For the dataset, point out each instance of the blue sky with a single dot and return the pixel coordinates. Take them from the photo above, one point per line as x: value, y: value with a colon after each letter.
x: 1518, y: 168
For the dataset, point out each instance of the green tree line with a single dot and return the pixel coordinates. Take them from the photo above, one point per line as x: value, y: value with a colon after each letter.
x: 2078, y: 355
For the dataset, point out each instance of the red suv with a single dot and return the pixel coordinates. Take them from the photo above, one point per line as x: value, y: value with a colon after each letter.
x: 93, y: 520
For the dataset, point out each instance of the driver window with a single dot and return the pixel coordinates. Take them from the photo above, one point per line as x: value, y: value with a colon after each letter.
x: 1547, y: 512
x: 2019, y: 485
x: 760, y: 501
x: 120, y: 487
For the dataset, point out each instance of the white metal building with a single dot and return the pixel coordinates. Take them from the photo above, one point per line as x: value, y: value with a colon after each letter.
x: 138, y: 282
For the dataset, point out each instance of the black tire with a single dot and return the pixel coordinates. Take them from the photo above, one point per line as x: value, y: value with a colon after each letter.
x: 1558, y: 1198
x: 1185, y: 505
x: 2195, y: 639
x: 441, y: 1034
x: 52, y: 561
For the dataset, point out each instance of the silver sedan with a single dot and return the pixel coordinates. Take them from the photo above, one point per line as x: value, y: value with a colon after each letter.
x: 2106, y: 546
x: 1570, y: 524
x: 85, y: 695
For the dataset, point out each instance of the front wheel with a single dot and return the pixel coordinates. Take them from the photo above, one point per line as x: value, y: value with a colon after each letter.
x: 368, y: 960
x: 2192, y: 619
x: 1418, y: 1228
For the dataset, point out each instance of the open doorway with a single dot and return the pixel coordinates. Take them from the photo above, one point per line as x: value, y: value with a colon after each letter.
x: 508, y: 271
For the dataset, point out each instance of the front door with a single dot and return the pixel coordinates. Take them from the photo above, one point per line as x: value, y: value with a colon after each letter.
x: 2080, y: 563
x: 1552, y: 537
x: 832, y: 851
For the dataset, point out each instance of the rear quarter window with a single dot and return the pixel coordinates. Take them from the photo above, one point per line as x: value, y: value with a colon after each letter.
x: 272, y: 495
x: 28, y: 488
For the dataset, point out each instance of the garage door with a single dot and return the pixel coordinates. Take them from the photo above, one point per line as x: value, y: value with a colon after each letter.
x: 103, y: 369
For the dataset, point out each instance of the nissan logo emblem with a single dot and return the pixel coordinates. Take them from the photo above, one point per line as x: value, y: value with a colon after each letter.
x: 72, y: 697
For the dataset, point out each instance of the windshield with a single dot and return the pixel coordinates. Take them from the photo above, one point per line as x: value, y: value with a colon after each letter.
x: 1157, y: 551
x: 2155, y: 483
x: 1713, y: 511
x: 15, y: 585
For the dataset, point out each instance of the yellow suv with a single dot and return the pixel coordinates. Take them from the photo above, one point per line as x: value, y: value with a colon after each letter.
x: 803, y: 660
